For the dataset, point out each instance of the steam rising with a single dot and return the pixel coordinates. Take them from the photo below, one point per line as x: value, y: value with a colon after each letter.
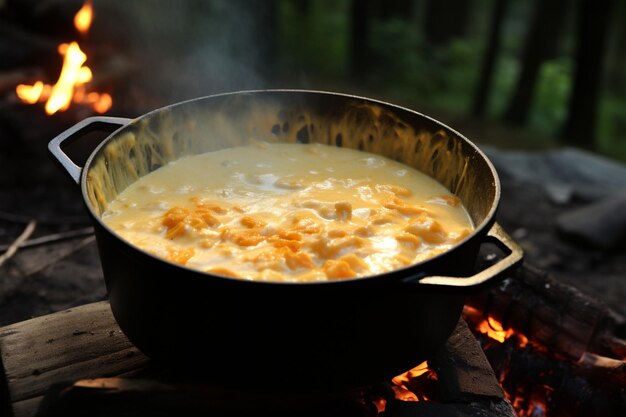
x: 195, y: 48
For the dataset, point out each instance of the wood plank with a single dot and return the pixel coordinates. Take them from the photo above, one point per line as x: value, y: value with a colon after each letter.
x: 463, y: 369
x: 82, y: 342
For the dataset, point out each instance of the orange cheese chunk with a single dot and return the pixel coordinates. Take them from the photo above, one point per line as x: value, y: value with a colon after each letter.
x: 427, y: 228
x: 335, y: 269
x: 179, y: 255
x: 177, y: 219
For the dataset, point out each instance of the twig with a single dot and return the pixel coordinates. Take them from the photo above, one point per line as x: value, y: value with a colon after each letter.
x: 54, y: 237
x: 28, y: 230
x: 18, y: 218
x: 14, y: 218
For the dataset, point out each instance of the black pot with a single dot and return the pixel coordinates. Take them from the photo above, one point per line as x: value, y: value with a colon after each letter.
x: 288, y: 335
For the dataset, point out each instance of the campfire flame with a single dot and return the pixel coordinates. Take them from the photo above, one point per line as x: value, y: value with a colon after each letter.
x: 70, y: 87
x: 533, y: 404
x: 493, y: 329
x: 404, y: 384
x: 82, y: 20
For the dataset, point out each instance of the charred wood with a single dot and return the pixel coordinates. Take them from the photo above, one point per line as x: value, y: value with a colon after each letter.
x: 463, y: 370
x: 535, y: 380
x: 554, y: 314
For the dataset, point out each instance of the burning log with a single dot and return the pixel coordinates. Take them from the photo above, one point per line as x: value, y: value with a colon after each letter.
x: 551, y: 346
x: 553, y: 314
x: 538, y: 385
x: 71, y: 84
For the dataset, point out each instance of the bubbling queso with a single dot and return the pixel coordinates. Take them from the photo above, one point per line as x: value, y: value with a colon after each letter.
x: 289, y: 212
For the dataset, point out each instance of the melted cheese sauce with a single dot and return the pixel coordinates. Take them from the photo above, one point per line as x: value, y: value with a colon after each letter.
x: 289, y: 212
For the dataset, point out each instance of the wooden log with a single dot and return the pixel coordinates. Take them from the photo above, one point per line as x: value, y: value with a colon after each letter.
x: 600, y: 368
x: 82, y: 342
x: 533, y: 378
x: 603, y: 369
x: 549, y: 312
x: 463, y: 370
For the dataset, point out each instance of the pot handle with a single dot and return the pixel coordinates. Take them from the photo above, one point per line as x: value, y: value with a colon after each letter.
x: 90, y: 124
x: 513, y: 258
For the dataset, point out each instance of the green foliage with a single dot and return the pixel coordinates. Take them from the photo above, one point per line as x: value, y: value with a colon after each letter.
x: 612, y: 126
x: 314, y: 41
x: 549, y: 109
x: 506, y: 72
x: 397, y: 64
x: 407, y: 67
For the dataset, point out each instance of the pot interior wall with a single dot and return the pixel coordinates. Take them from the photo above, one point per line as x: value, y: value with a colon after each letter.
x: 217, y: 122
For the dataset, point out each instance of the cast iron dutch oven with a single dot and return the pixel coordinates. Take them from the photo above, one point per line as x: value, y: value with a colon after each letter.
x: 288, y: 335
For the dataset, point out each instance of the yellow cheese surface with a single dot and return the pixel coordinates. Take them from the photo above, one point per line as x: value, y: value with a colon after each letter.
x: 289, y: 212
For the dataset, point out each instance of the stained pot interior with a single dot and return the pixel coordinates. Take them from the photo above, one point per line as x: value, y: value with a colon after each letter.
x: 217, y: 122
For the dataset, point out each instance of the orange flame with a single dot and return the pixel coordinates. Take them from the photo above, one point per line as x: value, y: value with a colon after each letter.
x: 82, y: 20
x: 63, y: 90
x: 493, y: 328
x: 416, y: 372
x: 404, y: 384
x: 30, y: 93
x: 70, y: 85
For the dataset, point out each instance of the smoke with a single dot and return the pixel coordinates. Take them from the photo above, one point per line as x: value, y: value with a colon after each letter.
x: 188, y: 49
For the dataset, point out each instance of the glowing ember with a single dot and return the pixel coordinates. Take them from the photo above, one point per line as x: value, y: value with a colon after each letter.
x: 404, y: 394
x: 492, y: 328
x: 410, y: 386
x: 419, y: 370
x: 70, y: 85
x: 536, y: 410
x: 407, y: 385
x: 101, y: 103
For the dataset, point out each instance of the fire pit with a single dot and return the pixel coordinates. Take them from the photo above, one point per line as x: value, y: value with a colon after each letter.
x: 78, y: 362
x: 86, y: 343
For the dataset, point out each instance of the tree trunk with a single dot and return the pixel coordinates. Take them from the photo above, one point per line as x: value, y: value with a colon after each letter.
x: 593, y: 23
x: 483, y: 90
x: 445, y: 20
x: 395, y: 9
x: 359, y: 38
x: 617, y: 51
x: 303, y: 6
x: 541, y: 42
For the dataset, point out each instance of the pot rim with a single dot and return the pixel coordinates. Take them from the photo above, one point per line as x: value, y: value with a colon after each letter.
x: 413, y: 270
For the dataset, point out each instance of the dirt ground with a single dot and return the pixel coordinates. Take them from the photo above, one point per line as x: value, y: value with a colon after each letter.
x: 54, y: 276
